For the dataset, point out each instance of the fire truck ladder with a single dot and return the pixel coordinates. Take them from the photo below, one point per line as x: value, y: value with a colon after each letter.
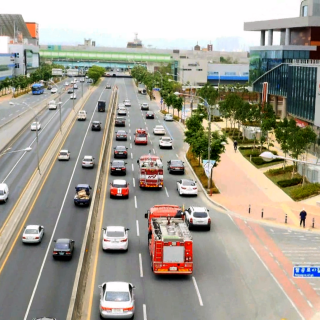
x: 158, y: 253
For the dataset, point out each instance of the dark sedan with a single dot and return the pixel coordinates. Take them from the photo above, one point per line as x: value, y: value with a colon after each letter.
x: 121, y: 135
x: 175, y: 166
x: 150, y: 115
x: 96, y: 126
x: 70, y: 90
x: 120, y: 122
x: 118, y: 167
x: 120, y: 152
x: 63, y: 248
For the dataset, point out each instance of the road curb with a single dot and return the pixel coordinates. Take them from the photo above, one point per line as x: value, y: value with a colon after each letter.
x: 25, y: 199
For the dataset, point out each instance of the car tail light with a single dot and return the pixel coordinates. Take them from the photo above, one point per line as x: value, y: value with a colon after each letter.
x: 128, y: 309
x: 124, y: 240
x: 194, y: 188
x: 106, y: 240
x: 191, y: 220
x: 171, y: 167
x: 209, y: 220
x: 91, y: 162
x: 55, y: 252
x: 36, y: 237
x: 24, y: 238
x: 125, y: 152
x: 83, y: 162
x: 68, y: 252
x: 116, y: 152
x: 105, y: 308
x: 123, y: 168
x: 113, y: 168
x: 183, y: 188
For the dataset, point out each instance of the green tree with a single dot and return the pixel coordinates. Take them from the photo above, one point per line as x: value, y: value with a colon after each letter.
x: 282, y: 133
x: 95, y: 73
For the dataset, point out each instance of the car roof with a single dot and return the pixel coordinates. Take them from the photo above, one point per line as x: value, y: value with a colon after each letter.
x: 115, y: 228
x: 118, y: 161
x: 121, y: 131
x: 82, y: 185
x: 87, y: 157
x: 64, y: 150
x: 127, y: 100
x: 120, y: 147
x: 32, y: 226
x: 165, y: 137
x: 119, y: 181
x: 96, y: 121
x: 63, y: 240
x: 199, y: 209
x: 117, y: 286
x: 3, y: 185
x: 158, y: 126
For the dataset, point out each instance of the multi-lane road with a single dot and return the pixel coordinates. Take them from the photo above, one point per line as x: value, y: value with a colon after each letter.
x: 229, y: 281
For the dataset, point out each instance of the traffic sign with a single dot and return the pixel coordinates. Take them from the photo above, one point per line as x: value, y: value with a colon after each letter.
x: 306, y: 272
x: 156, y: 89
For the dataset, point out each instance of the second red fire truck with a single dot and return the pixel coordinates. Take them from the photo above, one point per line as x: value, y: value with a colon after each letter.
x: 150, y: 171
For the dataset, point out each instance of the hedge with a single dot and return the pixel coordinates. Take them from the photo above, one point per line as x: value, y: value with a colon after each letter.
x: 289, y: 182
x: 217, y: 119
x: 275, y: 172
x: 306, y: 191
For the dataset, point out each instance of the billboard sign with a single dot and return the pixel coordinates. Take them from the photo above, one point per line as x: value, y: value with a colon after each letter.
x: 57, y: 72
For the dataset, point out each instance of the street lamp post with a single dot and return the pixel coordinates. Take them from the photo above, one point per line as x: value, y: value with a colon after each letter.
x: 60, y: 104
x: 14, y: 151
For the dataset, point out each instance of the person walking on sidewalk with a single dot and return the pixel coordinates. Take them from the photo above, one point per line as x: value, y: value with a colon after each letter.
x: 235, y: 145
x: 303, y: 216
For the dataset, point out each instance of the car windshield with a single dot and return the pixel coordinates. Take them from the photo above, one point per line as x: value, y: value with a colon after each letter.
x: 115, y: 234
x: 141, y: 135
x: 176, y: 163
x: 118, y: 163
x: 62, y: 245
x: 145, y: 104
x: 121, y: 148
x: 1, y: 192
x: 34, y: 123
x: 63, y: 153
x: 117, y: 296
x: 31, y: 231
x: 200, y: 214
x: 188, y: 183
x: 166, y: 139
x: 87, y: 158
x: 119, y: 185
x: 121, y: 132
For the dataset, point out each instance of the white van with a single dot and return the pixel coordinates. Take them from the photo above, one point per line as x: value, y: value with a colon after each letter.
x: 82, y: 115
x: 4, y: 192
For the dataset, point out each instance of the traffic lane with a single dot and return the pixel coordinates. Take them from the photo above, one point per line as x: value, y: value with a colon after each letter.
x: 45, y: 212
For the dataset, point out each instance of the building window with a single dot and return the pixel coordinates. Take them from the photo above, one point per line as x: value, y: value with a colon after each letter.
x: 230, y: 73
x: 186, y: 69
x: 199, y: 69
x: 305, y: 11
x: 245, y: 73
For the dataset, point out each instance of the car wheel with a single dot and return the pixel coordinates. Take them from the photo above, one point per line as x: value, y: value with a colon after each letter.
x: 5, y: 200
x: 111, y: 196
x: 160, y: 146
x: 209, y: 227
x: 127, y: 197
x: 189, y: 227
x: 151, y: 264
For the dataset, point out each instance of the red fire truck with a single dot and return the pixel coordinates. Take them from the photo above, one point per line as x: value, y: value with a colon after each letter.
x: 170, y: 246
x: 140, y: 136
x: 151, y: 171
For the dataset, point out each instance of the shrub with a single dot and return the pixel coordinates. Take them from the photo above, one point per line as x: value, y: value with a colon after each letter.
x: 258, y: 161
x: 176, y: 118
x: 217, y: 119
x: 305, y: 191
x: 275, y: 172
x: 164, y: 111
x: 289, y: 182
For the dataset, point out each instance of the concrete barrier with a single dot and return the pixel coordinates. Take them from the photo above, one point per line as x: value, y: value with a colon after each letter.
x: 79, y: 286
x: 26, y: 199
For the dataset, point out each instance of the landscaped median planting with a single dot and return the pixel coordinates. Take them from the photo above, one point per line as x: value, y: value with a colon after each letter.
x: 199, y: 171
x: 292, y: 184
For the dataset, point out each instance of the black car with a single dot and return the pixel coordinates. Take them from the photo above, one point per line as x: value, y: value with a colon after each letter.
x: 108, y: 86
x: 120, y: 122
x: 63, y: 248
x: 121, y: 135
x: 150, y: 115
x: 120, y: 152
x: 70, y: 90
x: 175, y: 166
x: 118, y: 167
x: 96, y: 126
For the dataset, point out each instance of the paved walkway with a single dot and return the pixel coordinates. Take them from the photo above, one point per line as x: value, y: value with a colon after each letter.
x: 241, y: 185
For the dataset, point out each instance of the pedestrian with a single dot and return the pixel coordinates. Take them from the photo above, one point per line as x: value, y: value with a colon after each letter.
x: 235, y: 145
x: 303, y: 216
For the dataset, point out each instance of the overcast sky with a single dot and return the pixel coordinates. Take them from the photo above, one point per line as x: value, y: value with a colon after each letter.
x: 168, y: 24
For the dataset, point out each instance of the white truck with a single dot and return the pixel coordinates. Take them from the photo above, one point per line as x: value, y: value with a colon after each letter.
x: 52, y: 105
x: 82, y: 115
x: 72, y: 72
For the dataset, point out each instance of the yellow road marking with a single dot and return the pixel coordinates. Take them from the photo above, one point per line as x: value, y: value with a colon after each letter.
x: 104, y: 192
x: 36, y: 197
x: 290, y: 214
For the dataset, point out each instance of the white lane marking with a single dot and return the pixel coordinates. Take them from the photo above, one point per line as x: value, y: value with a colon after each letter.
x: 177, y: 156
x: 56, y: 224
x: 147, y: 128
x: 129, y: 130
x: 168, y: 131
x: 276, y: 281
x: 151, y: 142
x: 197, y: 290
x: 134, y: 182
x: 3, y: 119
x: 172, y: 147
x: 129, y: 124
x: 310, y: 304
x: 10, y: 115
x: 165, y: 188
x: 130, y: 137
x: 231, y: 219
x: 17, y: 110
x: 153, y: 151
x: 135, y: 202
x: 138, y: 232
x: 140, y: 265
x: 144, y: 312
x: 130, y: 145
x: 132, y: 166
x: 131, y: 155
x: 148, y: 134
x: 272, y: 230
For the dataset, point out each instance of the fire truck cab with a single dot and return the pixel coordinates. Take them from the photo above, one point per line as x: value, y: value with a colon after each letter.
x: 170, y: 246
x: 140, y: 136
x: 151, y: 171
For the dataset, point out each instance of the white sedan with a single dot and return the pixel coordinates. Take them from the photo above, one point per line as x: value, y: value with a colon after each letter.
x: 66, y: 83
x: 35, y: 126
x: 122, y: 111
x: 168, y: 117
x: 32, y: 234
x: 115, y: 238
x: 127, y: 103
x: 187, y: 186
x: 165, y: 142
x: 88, y: 162
x: 159, y: 130
x: 73, y: 96
x: 54, y: 90
x: 64, y: 155
x: 52, y: 105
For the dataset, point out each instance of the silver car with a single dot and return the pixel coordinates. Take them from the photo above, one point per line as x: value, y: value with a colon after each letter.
x: 88, y: 162
x: 33, y: 234
x: 117, y: 300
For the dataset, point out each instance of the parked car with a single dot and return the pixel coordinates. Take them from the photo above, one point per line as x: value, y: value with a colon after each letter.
x: 121, y: 135
x: 175, y: 166
x: 88, y: 162
x: 187, y: 187
x: 150, y: 115
x: 33, y: 234
x: 115, y: 238
x: 63, y: 248
x: 64, y: 155
x: 120, y: 152
x: 168, y: 117
x: 89, y: 81
x: 159, y: 130
x: 117, y: 300
x: 35, y: 126
x: 4, y: 192
x: 96, y: 126
x: 120, y: 122
x: 118, y: 167
x: 198, y: 217
x: 165, y: 142
x: 119, y: 188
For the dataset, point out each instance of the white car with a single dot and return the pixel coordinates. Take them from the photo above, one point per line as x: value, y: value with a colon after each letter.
x: 116, y: 300
x: 168, y: 117
x: 198, y: 217
x: 73, y: 96
x: 165, y: 142
x: 64, y: 155
x: 35, y: 126
x: 75, y: 86
x: 33, y: 234
x: 115, y: 238
x: 144, y: 106
x: 66, y: 83
x: 122, y: 111
x: 121, y: 105
x: 127, y: 103
x: 159, y: 130
x: 73, y: 81
x: 187, y: 186
x: 81, y: 79
x: 88, y: 162
x: 52, y: 105
x: 54, y: 90
x: 82, y: 115
x: 4, y: 192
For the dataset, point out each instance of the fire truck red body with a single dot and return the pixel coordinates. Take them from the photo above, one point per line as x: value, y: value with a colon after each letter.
x: 170, y: 246
x: 151, y: 171
x: 140, y: 137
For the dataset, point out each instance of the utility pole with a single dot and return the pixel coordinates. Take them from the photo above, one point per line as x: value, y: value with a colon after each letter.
x: 209, y: 143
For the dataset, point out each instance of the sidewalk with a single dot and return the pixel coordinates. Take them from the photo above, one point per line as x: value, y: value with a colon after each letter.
x: 241, y: 185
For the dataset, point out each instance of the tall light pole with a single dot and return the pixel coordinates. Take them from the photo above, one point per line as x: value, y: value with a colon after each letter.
x: 60, y: 104
x: 14, y: 151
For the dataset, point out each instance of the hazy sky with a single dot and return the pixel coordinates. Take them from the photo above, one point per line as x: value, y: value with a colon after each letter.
x: 171, y: 23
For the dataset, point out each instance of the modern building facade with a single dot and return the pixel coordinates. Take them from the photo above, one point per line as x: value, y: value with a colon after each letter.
x: 221, y: 73
x: 291, y: 69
